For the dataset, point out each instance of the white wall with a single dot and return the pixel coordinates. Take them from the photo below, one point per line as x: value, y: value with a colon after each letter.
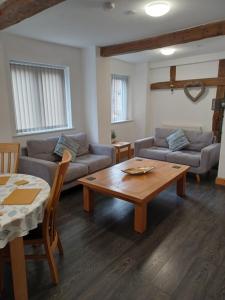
x: 138, y: 86
x: 175, y: 108
x: 90, y: 93
x: 18, y: 48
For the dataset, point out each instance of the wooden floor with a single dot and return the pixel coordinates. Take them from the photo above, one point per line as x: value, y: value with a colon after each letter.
x: 181, y: 256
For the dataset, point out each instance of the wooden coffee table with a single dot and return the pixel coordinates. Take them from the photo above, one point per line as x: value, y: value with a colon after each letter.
x: 137, y: 189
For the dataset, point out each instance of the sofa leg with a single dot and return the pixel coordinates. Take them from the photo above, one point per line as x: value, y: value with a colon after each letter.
x: 198, y: 179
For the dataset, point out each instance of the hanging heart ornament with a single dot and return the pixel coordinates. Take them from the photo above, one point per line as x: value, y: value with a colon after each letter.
x: 189, y: 86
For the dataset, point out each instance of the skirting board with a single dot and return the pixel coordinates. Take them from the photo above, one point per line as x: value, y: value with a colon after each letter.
x: 220, y: 181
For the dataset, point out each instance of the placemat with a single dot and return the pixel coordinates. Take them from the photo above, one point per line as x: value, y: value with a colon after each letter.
x: 21, y: 182
x: 4, y: 180
x: 21, y: 197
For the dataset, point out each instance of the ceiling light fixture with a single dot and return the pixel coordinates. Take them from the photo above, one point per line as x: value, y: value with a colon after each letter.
x: 157, y: 8
x: 167, y: 51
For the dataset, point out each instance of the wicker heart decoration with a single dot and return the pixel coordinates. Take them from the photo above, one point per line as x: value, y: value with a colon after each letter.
x: 188, y: 86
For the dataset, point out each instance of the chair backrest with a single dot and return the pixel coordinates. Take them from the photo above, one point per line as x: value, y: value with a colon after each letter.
x: 50, y: 210
x: 9, y: 157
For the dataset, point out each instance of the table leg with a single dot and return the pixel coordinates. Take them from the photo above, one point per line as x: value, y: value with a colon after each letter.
x: 140, y: 218
x: 129, y: 151
x: 118, y: 155
x: 181, y: 184
x: 18, y: 269
x: 88, y: 201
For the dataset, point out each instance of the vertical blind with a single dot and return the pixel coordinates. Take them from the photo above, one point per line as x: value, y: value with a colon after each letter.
x: 119, y: 101
x: 39, y: 97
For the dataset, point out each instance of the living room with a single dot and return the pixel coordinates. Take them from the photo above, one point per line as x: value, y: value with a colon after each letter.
x: 89, y: 47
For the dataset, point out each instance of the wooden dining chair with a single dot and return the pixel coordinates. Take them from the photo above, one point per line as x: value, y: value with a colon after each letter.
x: 9, y: 157
x: 46, y: 234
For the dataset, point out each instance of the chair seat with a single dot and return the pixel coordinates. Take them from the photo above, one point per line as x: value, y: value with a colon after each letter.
x: 34, y: 234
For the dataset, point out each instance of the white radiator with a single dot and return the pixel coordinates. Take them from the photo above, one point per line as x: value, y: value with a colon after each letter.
x: 196, y: 127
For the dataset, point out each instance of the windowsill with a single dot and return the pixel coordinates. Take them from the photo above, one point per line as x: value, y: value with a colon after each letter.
x: 42, y: 132
x: 121, y: 122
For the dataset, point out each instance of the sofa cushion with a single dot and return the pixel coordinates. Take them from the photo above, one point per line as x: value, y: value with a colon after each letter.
x: 42, y: 149
x: 94, y: 162
x: 198, y: 140
x: 80, y: 138
x: 160, y: 136
x: 66, y: 143
x: 158, y: 153
x: 177, y: 140
x: 75, y: 171
x: 189, y: 158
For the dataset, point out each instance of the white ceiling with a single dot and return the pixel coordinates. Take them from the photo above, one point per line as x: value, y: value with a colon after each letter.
x: 84, y: 22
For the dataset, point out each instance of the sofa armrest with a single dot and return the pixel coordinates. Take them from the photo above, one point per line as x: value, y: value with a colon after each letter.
x: 210, y: 156
x: 103, y: 150
x: 38, y: 167
x: 143, y: 143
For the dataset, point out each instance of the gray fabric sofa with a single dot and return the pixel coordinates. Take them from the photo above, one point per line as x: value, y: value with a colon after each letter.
x: 38, y: 159
x: 201, y: 154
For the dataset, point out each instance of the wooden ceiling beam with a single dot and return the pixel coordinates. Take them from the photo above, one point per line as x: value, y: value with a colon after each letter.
x: 180, y: 84
x: 174, y: 38
x: 15, y: 11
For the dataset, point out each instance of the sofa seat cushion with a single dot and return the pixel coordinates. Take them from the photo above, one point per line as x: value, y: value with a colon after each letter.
x: 75, y: 171
x: 94, y: 162
x: 158, y: 153
x: 189, y: 158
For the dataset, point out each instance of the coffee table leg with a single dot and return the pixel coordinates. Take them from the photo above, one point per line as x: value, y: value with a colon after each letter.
x: 118, y: 155
x: 181, y: 184
x: 88, y: 201
x: 140, y: 218
x: 129, y: 151
x: 18, y: 269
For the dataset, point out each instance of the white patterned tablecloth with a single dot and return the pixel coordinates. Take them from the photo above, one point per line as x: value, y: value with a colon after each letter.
x: 18, y: 220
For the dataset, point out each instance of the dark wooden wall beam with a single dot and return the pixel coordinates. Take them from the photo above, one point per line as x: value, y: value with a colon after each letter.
x: 179, y: 84
x: 173, y: 73
x: 15, y: 11
x: 220, y: 94
x: 178, y: 37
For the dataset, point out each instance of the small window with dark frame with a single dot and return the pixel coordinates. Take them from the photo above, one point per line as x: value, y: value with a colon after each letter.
x: 119, y: 98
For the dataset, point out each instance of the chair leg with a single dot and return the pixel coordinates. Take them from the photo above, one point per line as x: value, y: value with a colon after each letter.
x: 52, y: 265
x: 198, y: 178
x: 60, y: 247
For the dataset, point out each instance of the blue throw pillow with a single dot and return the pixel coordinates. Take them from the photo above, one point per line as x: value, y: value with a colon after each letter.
x: 66, y: 143
x: 177, y: 140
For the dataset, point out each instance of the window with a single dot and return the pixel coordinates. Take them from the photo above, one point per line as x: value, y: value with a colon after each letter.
x: 41, y: 97
x: 119, y: 101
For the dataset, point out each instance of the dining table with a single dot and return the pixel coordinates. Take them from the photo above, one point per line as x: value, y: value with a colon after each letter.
x: 17, y: 219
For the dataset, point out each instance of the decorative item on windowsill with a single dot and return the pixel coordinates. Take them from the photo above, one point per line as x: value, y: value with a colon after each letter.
x: 113, y: 136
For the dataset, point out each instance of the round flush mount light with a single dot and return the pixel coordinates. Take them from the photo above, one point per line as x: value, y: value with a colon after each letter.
x: 157, y: 8
x: 167, y: 51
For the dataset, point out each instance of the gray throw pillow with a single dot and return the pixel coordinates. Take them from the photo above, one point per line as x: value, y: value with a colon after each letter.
x: 66, y: 143
x: 177, y: 140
